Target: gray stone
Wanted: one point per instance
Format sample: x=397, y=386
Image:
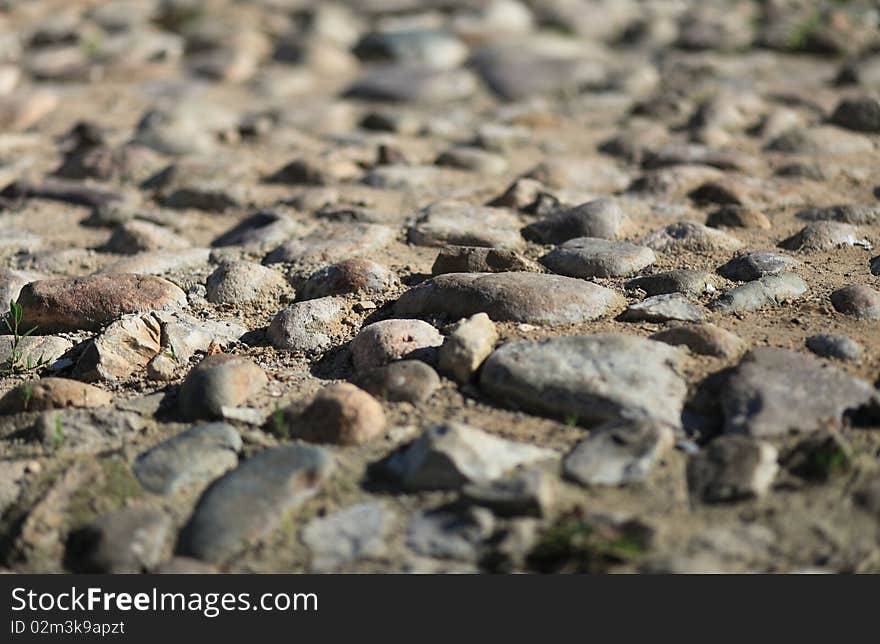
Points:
x=449, y=535
x=766, y=291
x=473, y=259
x=123, y=348
x=136, y=236
x=857, y=300
x=468, y=344
x=516, y=73
x=262, y=228
x=734, y=216
x=693, y=283
x=821, y=141
x=516, y=297
x=332, y=244
x=703, y=339
x=11, y=283
x=382, y=342
x=249, y=502
x=307, y=326
x=774, y=392
x=756, y=264
x=430, y=47
x=86, y=431
x=219, y=381
x=129, y=540
x=618, y=454
x=663, y=308
x=588, y=257
x=600, y=218
x=457, y=223
x=243, y=282
x=357, y=532
x=409, y=381
x=824, y=235
x=183, y=335
x=690, y=236
x=449, y=456
x=590, y=378
x=732, y=468
x=348, y=276
x=473, y=159
x=529, y=492
x=401, y=83
x=840, y=347
x=34, y=348
x=856, y=214
x=196, y=456
x=861, y=114
x=160, y=262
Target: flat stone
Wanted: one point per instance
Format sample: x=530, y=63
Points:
x=382, y=342
x=590, y=378
x=160, y=262
x=840, y=347
x=127, y=541
x=85, y=431
x=431, y=47
x=469, y=343
x=262, y=228
x=618, y=454
x=517, y=297
x=11, y=283
x=123, y=348
x=249, y=502
x=473, y=259
x=690, y=282
x=528, y=492
x=774, y=392
x=821, y=141
x=193, y=457
x=332, y=244
x=348, y=276
x=516, y=74
x=307, y=326
x=52, y=393
x=340, y=414
x=856, y=214
x=663, y=308
x=703, y=339
x=451, y=455
x=410, y=381
x=588, y=257
x=756, y=264
x=460, y=224
x=861, y=114
x=601, y=218
x=243, y=282
x=183, y=335
x=691, y=236
x=732, y=468
x=769, y=290
x=407, y=83
x=136, y=236
x=473, y=159
x=88, y=303
x=734, y=216
x=447, y=534
x=824, y=235
x=349, y=535
x=857, y=300
x=315, y=172
x=35, y=348
x=219, y=381
x=584, y=174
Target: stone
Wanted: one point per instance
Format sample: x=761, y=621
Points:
x=756, y=264
x=382, y=342
x=861, y=114
x=589, y=378
x=769, y=290
x=662, y=308
x=857, y=300
x=839, y=347
x=331, y=244
x=820, y=141
x=315, y=172
x=218, y=381
x=472, y=159
x=600, y=218
x=193, y=457
x=734, y=216
x=856, y=214
x=126, y=541
x=340, y=414
x=586, y=175
x=160, y=262
x=449, y=456
x=732, y=468
x=52, y=393
x=690, y=282
x=136, y=236
x=349, y=535
x=469, y=343
x=447, y=534
x=23, y=109
x=460, y=224
x=408, y=83
x=516, y=297
x=11, y=283
x=691, y=236
x=618, y=453
x=123, y=348
x=348, y=276
x=243, y=282
x=516, y=73
x=307, y=326
x=824, y=235
x=588, y=257
x=775, y=392
x=250, y=501
x=260, y=229
x=410, y=381
x=703, y=339
x=88, y=303
x=474, y=259
x=528, y=492
x=33, y=350
x=85, y=431
x=430, y=47
x=183, y=335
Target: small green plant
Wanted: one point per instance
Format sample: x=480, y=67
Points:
x=576, y=545
x=279, y=426
x=571, y=420
x=59, y=432
x=17, y=362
